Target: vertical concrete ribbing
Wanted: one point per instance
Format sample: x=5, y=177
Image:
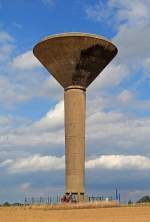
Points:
x=74, y=100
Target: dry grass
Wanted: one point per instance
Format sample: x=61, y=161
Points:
x=82, y=205
x=44, y=214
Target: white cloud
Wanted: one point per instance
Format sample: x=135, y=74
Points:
x=53, y=119
x=6, y=163
x=132, y=20
x=24, y=87
x=26, y=138
x=50, y=163
x=25, y=61
x=134, y=12
x=110, y=77
x=17, y=86
x=127, y=100
x=37, y=163
x=118, y=132
x=120, y=162
x=48, y=131
x=11, y=92
x=133, y=44
x=126, y=97
x=112, y=131
x=18, y=82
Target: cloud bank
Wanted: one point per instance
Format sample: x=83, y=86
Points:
x=39, y=163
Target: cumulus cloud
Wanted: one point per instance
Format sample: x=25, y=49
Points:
x=23, y=88
x=132, y=25
x=6, y=162
x=126, y=96
x=127, y=101
x=48, y=131
x=16, y=85
x=132, y=49
x=25, y=61
x=132, y=19
x=53, y=119
x=123, y=11
x=106, y=132
x=120, y=162
x=9, y=91
x=127, y=12
x=26, y=139
x=118, y=132
x=131, y=65
x=110, y=77
x=20, y=78
x=37, y=163
x=52, y=163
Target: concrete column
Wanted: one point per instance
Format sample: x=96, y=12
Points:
x=74, y=100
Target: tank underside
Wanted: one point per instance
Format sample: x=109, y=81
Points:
x=75, y=58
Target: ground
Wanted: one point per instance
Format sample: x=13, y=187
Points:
x=116, y=214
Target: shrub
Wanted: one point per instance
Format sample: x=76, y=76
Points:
x=144, y=199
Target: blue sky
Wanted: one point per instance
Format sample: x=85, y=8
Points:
x=31, y=101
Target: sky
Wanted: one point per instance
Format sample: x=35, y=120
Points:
x=31, y=101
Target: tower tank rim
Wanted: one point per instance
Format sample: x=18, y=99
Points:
x=75, y=34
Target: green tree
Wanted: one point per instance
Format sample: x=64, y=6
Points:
x=6, y=204
x=144, y=199
x=130, y=202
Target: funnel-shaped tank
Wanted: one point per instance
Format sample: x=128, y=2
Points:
x=75, y=58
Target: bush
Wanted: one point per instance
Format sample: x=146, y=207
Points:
x=144, y=199
x=130, y=202
x=6, y=204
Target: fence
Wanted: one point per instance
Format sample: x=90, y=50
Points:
x=57, y=199
x=42, y=200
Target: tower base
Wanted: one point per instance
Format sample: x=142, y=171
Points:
x=70, y=197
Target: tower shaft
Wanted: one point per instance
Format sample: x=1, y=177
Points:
x=74, y=100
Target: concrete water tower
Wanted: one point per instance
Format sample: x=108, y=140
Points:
x=75, y=60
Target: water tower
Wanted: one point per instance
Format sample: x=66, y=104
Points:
x=75, y=60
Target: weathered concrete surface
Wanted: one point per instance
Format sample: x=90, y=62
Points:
x=75, y=60
x=74, y=99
